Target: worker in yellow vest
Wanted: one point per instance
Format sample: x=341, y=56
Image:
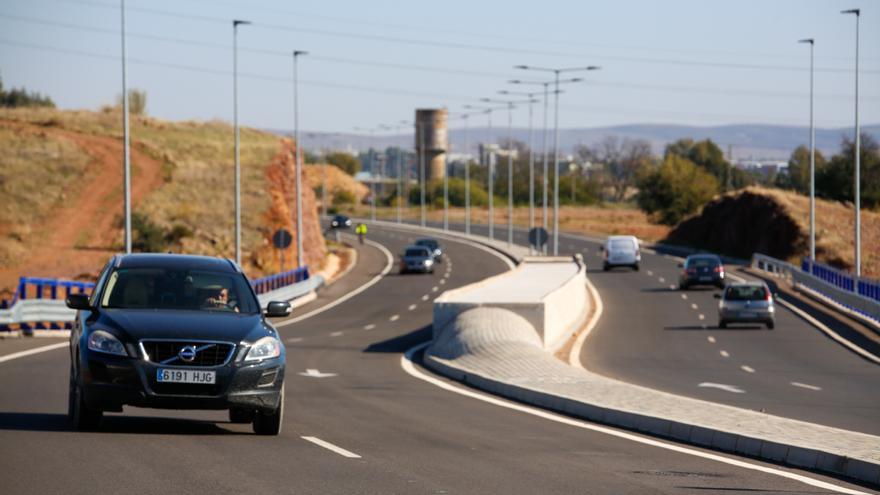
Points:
x=361, y=231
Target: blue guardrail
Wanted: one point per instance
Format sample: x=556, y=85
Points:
x=279, y=280
x=846, y=281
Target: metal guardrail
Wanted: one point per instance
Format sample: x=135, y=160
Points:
x=865, y=307
x=279, y=280
x=846, y=281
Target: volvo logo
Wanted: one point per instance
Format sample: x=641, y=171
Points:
x=187, y=353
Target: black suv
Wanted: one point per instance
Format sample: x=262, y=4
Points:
x=175, y=332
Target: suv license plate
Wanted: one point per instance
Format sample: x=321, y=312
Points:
x=185, y=376
x=748, y=314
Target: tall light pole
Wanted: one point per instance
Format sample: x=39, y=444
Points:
x=401, y=176
x=510, y=106
x=812, y=43
x=372, y=171
x=126, y=155
x=856, y=180
x=489, y=166
x=556, y=73
x=235, y=25
x=300, y=256
x=532, y=100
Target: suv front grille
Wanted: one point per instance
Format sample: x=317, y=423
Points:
x=168, y=352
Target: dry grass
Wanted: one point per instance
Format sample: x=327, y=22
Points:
x=337, y=180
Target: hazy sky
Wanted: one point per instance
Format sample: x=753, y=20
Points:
x=372, y=62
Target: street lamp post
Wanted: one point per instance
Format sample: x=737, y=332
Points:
x=812, y=163
x=235, y=25
x=532, y=100
x=400, y=176
x=126, y=156
x=489, y=166
x=556, y=82
x=857, y=179
x=300, y=256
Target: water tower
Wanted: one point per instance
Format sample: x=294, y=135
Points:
x=431, y=135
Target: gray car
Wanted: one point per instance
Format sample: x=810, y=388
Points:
x=417, y=259
x=749, y=302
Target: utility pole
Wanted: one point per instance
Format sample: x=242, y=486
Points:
x=126, y=170
x=858, y=153
x=812, y=163
x=235, y=25
x=300, y=256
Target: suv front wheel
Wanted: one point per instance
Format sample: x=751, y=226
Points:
x=79, y=413
x=270, y=423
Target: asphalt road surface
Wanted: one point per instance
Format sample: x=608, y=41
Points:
x=355, y=421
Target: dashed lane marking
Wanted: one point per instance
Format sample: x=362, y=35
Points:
x=442, y=281
x=684, y=296
x=724, y=353
x=649, y=273
x=336, y=334
x=747, y=369
x=425, y=297
x=711, y=339
x=693, y=305
x=435, y=289
x=806, y=386
x=369, y=327
x=702, y=317
x=294, y=340
x=333, y=448
x=411, y=307
x=662, y=280
x=394, y=318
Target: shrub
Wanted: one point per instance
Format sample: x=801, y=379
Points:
x=343, y=197
x=675, y=189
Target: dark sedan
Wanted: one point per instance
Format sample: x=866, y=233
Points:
x=176, y=332
x=340, y=222
x=434, y=246
x=701, y=269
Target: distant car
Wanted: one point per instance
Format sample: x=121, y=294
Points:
x=621, y=250
x=434, y=246
x=701, y=269
x=340, y=222
x=417, y=259
x=175, y=332
x=749, y=302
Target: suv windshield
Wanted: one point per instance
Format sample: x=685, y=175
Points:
x=429, y=243
x=164, y=288
x=746, y=293
x=416, y=253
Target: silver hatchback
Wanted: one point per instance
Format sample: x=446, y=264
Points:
x=748, y=302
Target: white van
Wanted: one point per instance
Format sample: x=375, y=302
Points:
x=621, y=250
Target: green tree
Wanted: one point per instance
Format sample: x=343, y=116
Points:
x=19, y=97
x=675, y=189
x=137, y=101
x=835, y=180
x=799, y=168
x=621, y=159
x=347, y=163
x=707, y=155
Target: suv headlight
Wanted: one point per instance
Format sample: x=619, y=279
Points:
x=101, y=341
x=429, y=262
x=265, y=348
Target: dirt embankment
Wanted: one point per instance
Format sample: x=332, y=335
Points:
x=776, y=223
x=337, y=181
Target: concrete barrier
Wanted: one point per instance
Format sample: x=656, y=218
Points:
x=548, y=293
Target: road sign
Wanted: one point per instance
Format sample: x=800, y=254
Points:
x=282, y=239
x=538, y=237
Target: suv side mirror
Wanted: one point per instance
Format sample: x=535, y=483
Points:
x=78, y=301
x=601, y=248
x=278, y=309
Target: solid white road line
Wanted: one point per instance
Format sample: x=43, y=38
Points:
x=30, y=352
x=333, y=448
x=369, y=327
x=711, y=339
x=388, y=256
x=806, y=386
x=408, y=366
x=411, y=307
x=747, y=369
x=394, y=318
x=574, y=357
x=724, y=353
x=722, y=386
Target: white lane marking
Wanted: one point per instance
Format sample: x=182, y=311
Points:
x=574, y=357
x=829, y=332
x=806, y=386
x=388, y=256
x=724, y=353
x=446, y=275
x=442, y=281
x=29, y=352
x=711, y=339
x=747, y=369
x=369, y=327
x=294, y=340
x=723, y=386
x=693, y=305
x=672, y=287
x=394, y=318
x=313, y=373
x=702, y=317
x=408, y=366
x=649, y=273
x=684, y=296
x=435, y=289
x=333, y=448
x=411, y=307
x=662, y=280
x=336, y=334
x=425, y=297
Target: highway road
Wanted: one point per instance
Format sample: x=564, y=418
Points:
x=655, y=335
x=356, y=421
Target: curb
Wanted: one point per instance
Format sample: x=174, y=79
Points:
x=788, y=454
